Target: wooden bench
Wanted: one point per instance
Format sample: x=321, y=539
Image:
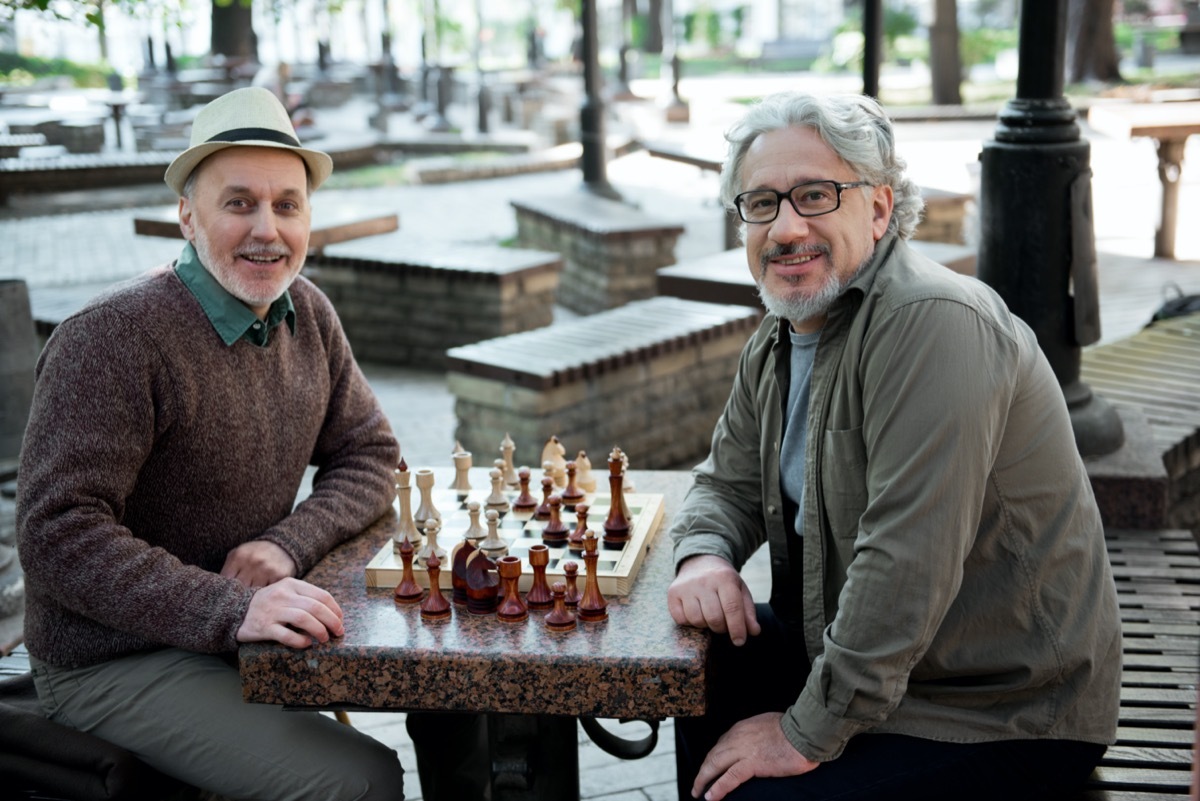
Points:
x=405, y=300
x=650, y=377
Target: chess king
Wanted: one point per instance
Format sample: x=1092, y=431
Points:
x=172, y=422
x=943, y=621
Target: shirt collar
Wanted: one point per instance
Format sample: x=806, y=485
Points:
x=231, y=318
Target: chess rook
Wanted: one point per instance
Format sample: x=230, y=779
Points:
x=539, y=596
x=512, y=609
x=426, y=511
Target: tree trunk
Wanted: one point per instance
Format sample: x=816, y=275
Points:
x=232, y=33
x=654, y=27
x=944, y=61
x=1091, y=45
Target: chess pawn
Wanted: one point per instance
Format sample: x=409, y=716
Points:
x=575, y=538
x=584, y=477
x=538, y=596
x=407, y=528
x=435, y=606
x=407, y=591
x=431, y=547
x=507, y=447
x=512, y=609
x=560, y=618
x=493, y=545
x=592, y=606
x=474, y=531
x=425, y=509
x=483, y=584
x=571, y=572
x=572, y=494
x=555, y=532
x=543, y=510
x=616, y=527
x=497, y=499
x=462, y=470
x=524, y=501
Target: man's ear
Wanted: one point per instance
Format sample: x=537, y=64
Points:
x=881, y=210
x=185, y=218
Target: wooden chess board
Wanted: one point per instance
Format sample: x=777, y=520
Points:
x=616, y=569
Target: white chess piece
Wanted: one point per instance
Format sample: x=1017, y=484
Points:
x=507, y=447
x=432, y=526
x=407, y=528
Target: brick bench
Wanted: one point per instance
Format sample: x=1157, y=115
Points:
x=11, y=143
x=651, y=377
x=405, y=301
x=611, y=251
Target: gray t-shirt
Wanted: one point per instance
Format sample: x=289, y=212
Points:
x=795, y=424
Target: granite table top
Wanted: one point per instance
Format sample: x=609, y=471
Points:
x=637, y=664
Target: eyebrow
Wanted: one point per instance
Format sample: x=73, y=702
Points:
x=286, y=194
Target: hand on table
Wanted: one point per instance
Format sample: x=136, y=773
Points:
x=291, y=612
x=753, y=747
x=258, y=563
x=709, y=594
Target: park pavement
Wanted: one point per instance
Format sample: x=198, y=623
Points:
x=69, y=245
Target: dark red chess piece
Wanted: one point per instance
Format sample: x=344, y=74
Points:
x=435, y=606
x=616, y=527
x=575, y=538
x=512, y=609
x=572, y=494
x=458, y=571
x=543, y=510
x=538, y=596
x=570, y=569
x=560, y=618
x=592, y=606
x=555, y=532
x=524, y=500
x=408, y=591
x=483, y=584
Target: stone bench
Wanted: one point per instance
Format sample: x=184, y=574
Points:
x=11, y=143
x=610, y=250
x=404, y=300
x=650, y=377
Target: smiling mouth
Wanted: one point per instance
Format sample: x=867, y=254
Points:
x=264, y=259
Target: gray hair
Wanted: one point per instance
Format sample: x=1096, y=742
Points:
x=853, y=125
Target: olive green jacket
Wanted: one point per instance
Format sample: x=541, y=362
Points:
x=955, y=580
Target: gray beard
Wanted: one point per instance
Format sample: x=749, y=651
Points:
x=799, y=308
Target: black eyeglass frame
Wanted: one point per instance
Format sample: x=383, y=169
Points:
x=779, y=198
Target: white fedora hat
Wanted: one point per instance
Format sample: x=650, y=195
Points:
x=251, y=117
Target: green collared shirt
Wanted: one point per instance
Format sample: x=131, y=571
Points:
x=231, y=318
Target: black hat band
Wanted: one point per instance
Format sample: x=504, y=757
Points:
x=262, y=134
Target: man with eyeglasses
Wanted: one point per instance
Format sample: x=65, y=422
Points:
x=943, y=622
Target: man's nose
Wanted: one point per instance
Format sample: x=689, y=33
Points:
x=265, y=226
x=788, y=224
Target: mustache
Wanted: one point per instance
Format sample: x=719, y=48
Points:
x=794, y=249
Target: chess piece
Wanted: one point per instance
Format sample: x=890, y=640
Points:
x=584, y=478
x=435, y=606
x=493, y=545
x=571, y=571
x=575, y=538
x=425, y=509
x=572, y=494
x=616, y=527
x=497, y=499
x=543, y=510
x=560, y=618
x=554, y=454
x=483, y=584
x=474, y=531
x=462, y=469
x=458, y=566
x=555, y=531
x=524, y=502
x=538, y=596
x=592, y=606
x=407, y=591
x=507, y=447
x=431, y=547
x=512, y=609
x=407, y=528
x=626, y=481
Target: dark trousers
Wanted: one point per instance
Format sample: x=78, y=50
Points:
x=768, y=672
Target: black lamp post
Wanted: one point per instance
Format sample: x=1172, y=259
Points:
x=1038, y=245
x=591, y=113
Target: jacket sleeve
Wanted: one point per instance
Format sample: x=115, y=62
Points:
x=937, y=380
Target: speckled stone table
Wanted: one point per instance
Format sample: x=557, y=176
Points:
x=638, y=664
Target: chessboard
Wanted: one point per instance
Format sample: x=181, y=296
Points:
x=616, y=569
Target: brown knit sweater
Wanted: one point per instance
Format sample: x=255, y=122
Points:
x=153, y=450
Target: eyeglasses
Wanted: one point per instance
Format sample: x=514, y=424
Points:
x=809, y=200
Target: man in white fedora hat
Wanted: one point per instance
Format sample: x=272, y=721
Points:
x=173, y=421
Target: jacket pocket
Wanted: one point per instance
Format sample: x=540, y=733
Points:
x=844, y=480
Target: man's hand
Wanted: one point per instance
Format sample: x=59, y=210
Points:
x=753, y=747
x=709, y=594
x=291, y=612
x=258, y=563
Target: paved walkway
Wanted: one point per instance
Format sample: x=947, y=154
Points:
x=66, y=257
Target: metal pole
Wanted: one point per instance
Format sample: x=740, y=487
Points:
x=872, y=45
x=1037, y=246
x=591, y=113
